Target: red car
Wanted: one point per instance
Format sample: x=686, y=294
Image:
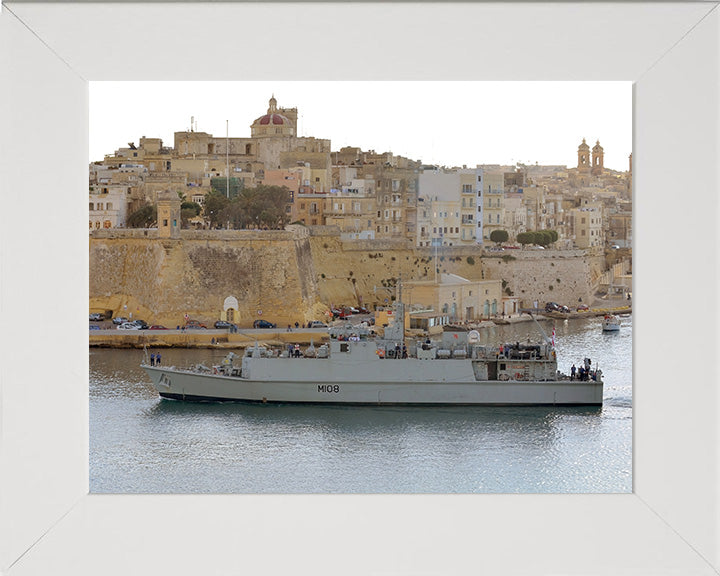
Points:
x=157, y=327
x=194, y=325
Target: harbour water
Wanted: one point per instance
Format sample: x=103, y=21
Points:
x=142, y=444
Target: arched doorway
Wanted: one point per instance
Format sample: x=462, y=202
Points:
x=230, y=309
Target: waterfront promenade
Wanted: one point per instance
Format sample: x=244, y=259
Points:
x=114, y=338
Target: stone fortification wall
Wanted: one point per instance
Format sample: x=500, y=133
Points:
x=269, y=273
x=295, y=275
x=563, y=276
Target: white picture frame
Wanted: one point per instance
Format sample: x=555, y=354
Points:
x=48, y=521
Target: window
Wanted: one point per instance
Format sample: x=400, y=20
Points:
x=108, y=206
x=92, y=206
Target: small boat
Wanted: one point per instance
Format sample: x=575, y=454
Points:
x=611, y=323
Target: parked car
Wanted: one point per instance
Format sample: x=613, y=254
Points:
x=353, y=310
x=363, y=310
x=582, y=308
x=317, y=324
x=564, y=309
x=94, y=327
x=223, y=324
x=157, y=327
x=552, y=307
x=128, y=326
x=96, y=317
x=194, y=325
x=263, y=324
x=119, y=320
x=141, y=323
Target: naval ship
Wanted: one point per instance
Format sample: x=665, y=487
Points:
x=359, y=367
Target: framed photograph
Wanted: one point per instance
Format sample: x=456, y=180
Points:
x=48, y=521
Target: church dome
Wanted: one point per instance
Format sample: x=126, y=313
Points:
x=277, y=119
x=274, y=124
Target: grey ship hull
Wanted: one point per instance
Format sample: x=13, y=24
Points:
x=447, y=382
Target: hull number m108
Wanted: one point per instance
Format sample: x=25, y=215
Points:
x=329, y=388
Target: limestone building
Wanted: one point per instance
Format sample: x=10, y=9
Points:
x=351, y=204
x=450, y=207
x=494, y=199
x=587, y=225
x=460, y=299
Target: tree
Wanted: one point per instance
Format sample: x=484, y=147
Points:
x=188, y=211
x=525, y=238
x=499, y=236
x=215, y=204
x=143, y=217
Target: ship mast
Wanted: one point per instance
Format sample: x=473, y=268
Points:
x=401, y=310
x=545, y=336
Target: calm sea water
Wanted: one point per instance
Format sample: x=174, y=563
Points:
x=142, y=444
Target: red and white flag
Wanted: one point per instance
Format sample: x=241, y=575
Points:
x=553, y=335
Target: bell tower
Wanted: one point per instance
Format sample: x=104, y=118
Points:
x=583, y=158
x=597, y=159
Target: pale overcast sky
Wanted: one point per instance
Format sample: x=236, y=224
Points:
x=447, y=123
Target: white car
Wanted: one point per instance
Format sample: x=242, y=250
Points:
x=128, y=326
